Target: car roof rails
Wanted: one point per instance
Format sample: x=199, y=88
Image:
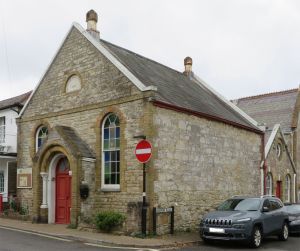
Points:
x=239, y=196
x=266, y=196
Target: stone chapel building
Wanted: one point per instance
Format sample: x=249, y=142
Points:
x=279, y=112
x=79, y=126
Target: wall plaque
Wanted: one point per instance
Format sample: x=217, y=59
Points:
x=24, y=178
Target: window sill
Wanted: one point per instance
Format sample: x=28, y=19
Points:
x=109, y=189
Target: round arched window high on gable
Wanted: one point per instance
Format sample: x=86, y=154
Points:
x=279, y=150
x=41, y=136
x=73, y=83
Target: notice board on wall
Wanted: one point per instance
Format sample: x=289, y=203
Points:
x=24, y=178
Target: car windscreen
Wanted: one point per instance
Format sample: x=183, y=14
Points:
x=249, y=204
x=293, y=209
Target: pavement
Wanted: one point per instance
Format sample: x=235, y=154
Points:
x=180, y=239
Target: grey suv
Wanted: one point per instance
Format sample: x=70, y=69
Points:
x=246, y=219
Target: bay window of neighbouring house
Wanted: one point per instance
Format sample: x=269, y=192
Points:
x=269, y=184
x=287, y=189
x=111, y=152
x=2, y=129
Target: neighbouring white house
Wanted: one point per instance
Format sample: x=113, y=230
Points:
x=9, y=111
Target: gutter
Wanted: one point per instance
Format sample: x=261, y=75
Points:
x=204, y=115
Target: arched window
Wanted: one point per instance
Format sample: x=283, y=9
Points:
x=269, y=184
x=111, y=152
x=41, y=136
x=73, y=84
x=279, y=150
x=287, y=188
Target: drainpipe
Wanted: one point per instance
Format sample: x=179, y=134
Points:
x=262, y=178
x=295, y=187
x=263, y=166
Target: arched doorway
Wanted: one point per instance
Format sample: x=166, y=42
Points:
x=62, y=191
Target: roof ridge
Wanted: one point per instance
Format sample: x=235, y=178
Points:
x=141, y=56
x=268, y=94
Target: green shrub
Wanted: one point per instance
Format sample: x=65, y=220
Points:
x=106, y=221
x=23, y=210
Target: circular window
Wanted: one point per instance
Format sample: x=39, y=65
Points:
x=73, y=84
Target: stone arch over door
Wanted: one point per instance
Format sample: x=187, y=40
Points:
x=44, y=182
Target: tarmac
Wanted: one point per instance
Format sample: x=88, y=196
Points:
x=176, y=240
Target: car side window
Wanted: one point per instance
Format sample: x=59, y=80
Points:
x=267, y=204
x=275, y=205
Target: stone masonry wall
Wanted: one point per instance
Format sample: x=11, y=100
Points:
x=279, y=167
x=97, y=74
x=200, y=163
x=297, y=156
x=104, y=90
x=131, y=173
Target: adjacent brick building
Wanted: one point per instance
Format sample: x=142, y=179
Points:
x=78, y=130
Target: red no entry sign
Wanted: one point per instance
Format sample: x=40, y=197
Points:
x=143, y=151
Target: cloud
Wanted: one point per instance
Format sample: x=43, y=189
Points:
x=241, y=48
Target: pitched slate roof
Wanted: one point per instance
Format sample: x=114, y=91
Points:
x=171, y=87
x=272, y=108
x=76, y=144
x=175, y=88
x=18, y=101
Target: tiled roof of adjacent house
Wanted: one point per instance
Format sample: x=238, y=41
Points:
x=17, y=101
x=271, y=108
x=175, y=88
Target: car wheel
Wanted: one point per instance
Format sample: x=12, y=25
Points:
x=284, y=235
x=256, y=237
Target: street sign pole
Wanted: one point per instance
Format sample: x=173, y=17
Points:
x=143, y=154
x=144, y=206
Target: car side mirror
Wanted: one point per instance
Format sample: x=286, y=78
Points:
x=265, y=209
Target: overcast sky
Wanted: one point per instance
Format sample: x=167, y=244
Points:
x=239, y=47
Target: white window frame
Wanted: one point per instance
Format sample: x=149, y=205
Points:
x=108, y=187
x=37, y=137
x=269, y=184
x=2, y=127
x=287, y=188
x=2, y=181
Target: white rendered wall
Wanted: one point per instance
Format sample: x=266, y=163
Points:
x=10, y=129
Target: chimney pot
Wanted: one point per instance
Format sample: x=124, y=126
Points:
x=92, y=19
x=188, y=63
x=92, y=15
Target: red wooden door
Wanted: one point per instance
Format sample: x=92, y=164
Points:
x=278, y=189
x=63, y=192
